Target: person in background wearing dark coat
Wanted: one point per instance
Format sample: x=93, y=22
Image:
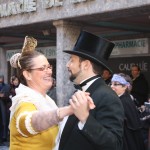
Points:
x=1, y=126
x=145, y=118
x=133, y=139
x=102, y=127
x=107, y=75
x=140, y=86
x=14, y=83
x=4, y=99
x=52, y=91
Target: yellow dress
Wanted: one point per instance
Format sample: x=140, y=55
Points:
x=21, y=139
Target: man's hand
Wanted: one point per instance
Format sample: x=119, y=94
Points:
x=81, y=103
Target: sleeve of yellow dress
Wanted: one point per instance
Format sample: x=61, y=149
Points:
x=23, y=119
x=29, y=121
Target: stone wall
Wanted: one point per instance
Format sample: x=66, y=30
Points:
x=22, y=12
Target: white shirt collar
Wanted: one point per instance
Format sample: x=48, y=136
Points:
x=84, y=88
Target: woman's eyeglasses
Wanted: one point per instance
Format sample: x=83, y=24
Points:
x=43, y=68
x=115, y=84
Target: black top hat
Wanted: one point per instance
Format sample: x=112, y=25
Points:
x=94, y=48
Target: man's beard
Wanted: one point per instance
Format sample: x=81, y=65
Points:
x=74, y=76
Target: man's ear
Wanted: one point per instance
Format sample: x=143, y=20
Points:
x=27, y=75
x=87, y=64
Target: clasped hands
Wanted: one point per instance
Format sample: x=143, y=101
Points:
x=81, y=103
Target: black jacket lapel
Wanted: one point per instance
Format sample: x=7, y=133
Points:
x=95, y=84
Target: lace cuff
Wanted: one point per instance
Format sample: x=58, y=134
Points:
x=43, y=120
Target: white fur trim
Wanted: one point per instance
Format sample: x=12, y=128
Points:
x=26, y=94
x=28, y=124
x=17, y=123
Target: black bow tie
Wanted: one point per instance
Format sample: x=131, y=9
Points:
x=79, y=86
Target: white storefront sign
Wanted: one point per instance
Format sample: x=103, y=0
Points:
x=129, y=47
x=49, y=52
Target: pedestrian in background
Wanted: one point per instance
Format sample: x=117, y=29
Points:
x=107, y=75
x=140, y=87
x=4, y=100
x=52, y=91
x=133, y=138
x=14, y=83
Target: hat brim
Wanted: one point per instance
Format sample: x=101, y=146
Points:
x=90, y=57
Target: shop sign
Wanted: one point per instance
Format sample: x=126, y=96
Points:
x=10, y=53
x=128, y=47
x=25, y=6
x=20, y=6
x=49, y=52
x=78, y=1
x=51, y=3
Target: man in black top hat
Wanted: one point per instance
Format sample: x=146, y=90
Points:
x=102, y=127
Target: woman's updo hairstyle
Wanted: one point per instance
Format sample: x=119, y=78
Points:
x=24, y=60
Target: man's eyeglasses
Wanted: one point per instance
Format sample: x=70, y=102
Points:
x=115, y=84
x=43, y=68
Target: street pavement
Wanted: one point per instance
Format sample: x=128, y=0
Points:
x=5, y=147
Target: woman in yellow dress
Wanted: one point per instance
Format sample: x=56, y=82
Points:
x=34, y=115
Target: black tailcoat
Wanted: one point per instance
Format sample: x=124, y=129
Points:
x=103, y=129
